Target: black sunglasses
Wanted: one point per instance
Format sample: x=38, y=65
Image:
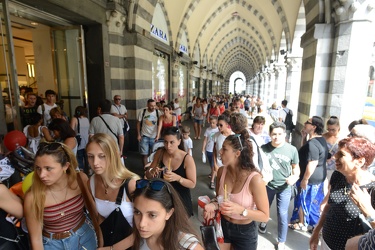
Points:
x=118, y=99
x=155, y=185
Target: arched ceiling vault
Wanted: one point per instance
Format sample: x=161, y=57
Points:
x=252, y=30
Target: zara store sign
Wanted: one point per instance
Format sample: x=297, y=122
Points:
x=159, y=33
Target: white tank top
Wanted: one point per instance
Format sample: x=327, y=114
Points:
x=105, y=208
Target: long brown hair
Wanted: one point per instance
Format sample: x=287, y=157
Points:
x=176, y=224
x=63, y=155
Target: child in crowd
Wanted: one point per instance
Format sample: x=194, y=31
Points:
x=208, y=143
x=188, y=142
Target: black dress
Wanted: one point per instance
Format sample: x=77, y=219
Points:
x=184, y=192
x=341, y=220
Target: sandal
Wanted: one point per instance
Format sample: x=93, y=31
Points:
x=298, y=226
x=212, y=186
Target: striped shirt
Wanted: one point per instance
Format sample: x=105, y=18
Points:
x=63, y=216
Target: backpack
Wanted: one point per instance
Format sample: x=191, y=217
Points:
x=289, y=120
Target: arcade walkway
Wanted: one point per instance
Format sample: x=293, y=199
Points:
x=295, y=240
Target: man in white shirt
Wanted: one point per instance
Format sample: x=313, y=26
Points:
x=147, y=126
x=45, y=108
x=120, y=111
x=177, y=109
x=107, y=123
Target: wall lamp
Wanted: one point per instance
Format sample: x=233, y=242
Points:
x=340, y=53
x=180, y=54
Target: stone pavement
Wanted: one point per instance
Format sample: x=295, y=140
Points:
x=296, y=240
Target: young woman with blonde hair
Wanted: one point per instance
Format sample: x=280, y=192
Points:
x=110, y=175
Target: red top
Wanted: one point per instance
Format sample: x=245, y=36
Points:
x=64, y=216
x=214, y=111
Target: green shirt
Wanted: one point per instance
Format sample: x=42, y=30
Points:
x=286, y=155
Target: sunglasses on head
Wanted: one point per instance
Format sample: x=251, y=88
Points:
x=308, y=122
x=238, y=136
x=155, y=185
x=51, y=147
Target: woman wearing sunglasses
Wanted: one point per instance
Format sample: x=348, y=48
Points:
x=54, y=204
x=110, y=175
x=160, y=219
x=242, y=185
x=179, y=166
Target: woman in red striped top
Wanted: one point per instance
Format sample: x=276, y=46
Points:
x=54, y=204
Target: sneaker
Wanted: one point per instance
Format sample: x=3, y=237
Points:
x=262, y=228
x=281, y=246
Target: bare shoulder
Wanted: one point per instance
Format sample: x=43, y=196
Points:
x=256, y=179
x=131, y=185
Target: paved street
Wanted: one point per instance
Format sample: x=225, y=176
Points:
x=296, y=240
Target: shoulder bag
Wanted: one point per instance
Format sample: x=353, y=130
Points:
x=110, y=129
x=90, y=205
x=115, y=227
x=263, y=163
x=78, y=135
x=294, y=191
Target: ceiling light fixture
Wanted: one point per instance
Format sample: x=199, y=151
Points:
x=235, y=13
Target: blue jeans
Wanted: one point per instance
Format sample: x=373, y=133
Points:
x=82, y=160
x=83, y=238
x=241, y=237
x=145, y=145
x=309, y=200
x=210, y=157
x=282, y=205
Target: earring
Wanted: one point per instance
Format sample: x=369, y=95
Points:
x=64, y=171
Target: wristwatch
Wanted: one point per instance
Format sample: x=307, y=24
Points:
x=244, y=213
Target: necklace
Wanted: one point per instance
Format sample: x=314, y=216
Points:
x=62, y=213
x=106, y=186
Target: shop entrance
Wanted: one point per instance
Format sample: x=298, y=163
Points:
x=39, y=51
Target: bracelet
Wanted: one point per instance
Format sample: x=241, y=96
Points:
x=150, y=170
x=111, y=248
x=181, y=180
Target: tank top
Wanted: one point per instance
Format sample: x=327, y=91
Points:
x=198, y=113
x=105, y=208
x=63, y=216
x=33, y=142
x=167, y=124
x=243, y=198
x=184, y=192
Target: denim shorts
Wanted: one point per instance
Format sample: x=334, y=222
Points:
x=83, y=238
x=241, y=237
x=145, y=145
x=200, y=122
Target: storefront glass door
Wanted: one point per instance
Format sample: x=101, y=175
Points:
x=68, y=53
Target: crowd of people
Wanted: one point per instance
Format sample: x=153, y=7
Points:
x=82, y=195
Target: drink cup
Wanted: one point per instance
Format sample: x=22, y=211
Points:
x=165, y=170
x=220, y=199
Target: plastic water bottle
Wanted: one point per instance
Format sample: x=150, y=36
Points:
x=203, y=157
x=19, y=151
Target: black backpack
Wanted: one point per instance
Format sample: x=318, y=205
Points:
x=289, y=120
